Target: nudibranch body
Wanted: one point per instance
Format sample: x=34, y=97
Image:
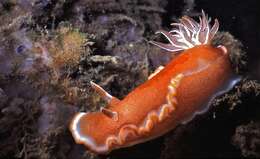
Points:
x=171, y=96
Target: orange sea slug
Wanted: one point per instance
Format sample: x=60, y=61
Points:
x=173, y=95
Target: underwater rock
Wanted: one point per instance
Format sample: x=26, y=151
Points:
x=53, y=114
x=247, y=139
x=17, y=127
x=3, y=98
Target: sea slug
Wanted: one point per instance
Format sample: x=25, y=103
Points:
x=172, y=95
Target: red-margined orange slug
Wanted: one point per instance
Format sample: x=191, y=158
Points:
x=173, y=95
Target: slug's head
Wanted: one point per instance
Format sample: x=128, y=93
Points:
x=189, y=33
